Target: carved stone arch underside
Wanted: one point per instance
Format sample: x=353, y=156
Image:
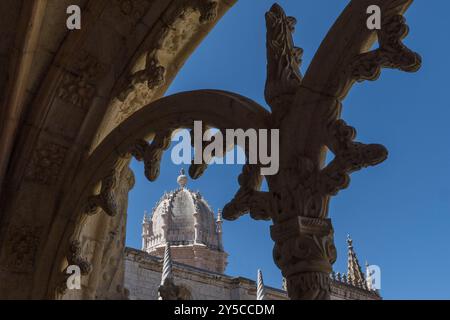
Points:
x=151, y=70
x=99, y=194
x=74, y=88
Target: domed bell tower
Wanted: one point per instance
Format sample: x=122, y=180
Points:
x=184, y=219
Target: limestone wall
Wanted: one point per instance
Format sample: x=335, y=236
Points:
x=143, y=276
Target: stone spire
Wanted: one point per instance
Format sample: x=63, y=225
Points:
x=260, y=291
x=182, y=179
x=167, y=265
x=354, y=273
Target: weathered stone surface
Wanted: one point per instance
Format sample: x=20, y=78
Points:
x=143, y=277
x=59, y=97
x=107, y=81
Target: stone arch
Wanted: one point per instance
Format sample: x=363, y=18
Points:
x=92, y=190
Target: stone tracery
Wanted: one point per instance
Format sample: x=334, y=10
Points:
x=298, y=198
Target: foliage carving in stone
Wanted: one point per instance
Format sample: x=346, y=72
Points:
x=46, y=163
x=75, y=258
x=392, y=53
x=298, y=196
x=78, y=85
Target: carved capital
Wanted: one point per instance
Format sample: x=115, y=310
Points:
x=304, y=251
x=46, y=163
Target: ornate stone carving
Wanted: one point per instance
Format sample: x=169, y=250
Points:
x=74, y=257
x=283, y=58
x=308, y=119
x=131, y=93
x=21, y=246
x=153, y=75
x=299, y=194
x=75, y=90
x=168, y=290
x=132, y=8
x=46, y=163
x=207, y=9
x=307, y=112
x=108, y=199
x=304, y=246
x=260, y=290
x=152, y=153
x=349, y=157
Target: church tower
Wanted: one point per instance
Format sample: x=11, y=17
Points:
x=184, y=219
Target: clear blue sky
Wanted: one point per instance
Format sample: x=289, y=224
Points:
x=397, y=212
